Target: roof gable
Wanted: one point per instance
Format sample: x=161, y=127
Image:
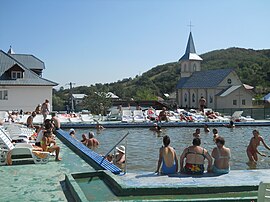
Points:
x=204, y=79
x=30, y=78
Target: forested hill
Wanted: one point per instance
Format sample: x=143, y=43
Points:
x=252, y=66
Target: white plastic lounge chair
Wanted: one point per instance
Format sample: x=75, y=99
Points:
x=264, y=192
x=173, y=117
x=87, y=118
x=64, y=118
x=236, y=115
x=114, y=115
x=75, y=119
x=138, y=116
x=21, y=150
x=126, y=116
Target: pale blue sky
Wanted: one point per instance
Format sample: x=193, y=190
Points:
x=103, y=41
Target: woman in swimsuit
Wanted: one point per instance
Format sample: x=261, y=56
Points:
x=252, y=149
x=167, y=157
x=222, y=156
x=194, y=157
x=49, y=145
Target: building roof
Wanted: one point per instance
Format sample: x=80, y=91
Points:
x=204, y=79
x=190, y=53
x=29, y=61
x=78, y=96
x=229, y=90
x=29, y=78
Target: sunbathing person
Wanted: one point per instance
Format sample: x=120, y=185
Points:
x=168, y=158
x=48, y=144
x=252, y=149
x=221, y=155
x=163, y=115
x=194, y=157
x=47, y=126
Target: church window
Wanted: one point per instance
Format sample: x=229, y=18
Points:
x=234, y=102
x=243, y=102
x=194, y=67
x=229, y=81
x=185, y=97
x=185, y=68
x=193, y=97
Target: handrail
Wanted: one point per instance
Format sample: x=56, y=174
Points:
x=114, y=147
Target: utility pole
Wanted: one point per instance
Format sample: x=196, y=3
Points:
x=72, y=101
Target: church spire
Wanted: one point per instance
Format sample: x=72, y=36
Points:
x=190, y=53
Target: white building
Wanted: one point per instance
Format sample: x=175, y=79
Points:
x=221, y=88
x=21, y=82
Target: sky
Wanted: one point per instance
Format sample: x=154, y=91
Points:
x=102, y=41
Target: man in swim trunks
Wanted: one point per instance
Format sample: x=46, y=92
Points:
x=221, y=155
x=194, y=157
x=167, y=157
x=252, y=149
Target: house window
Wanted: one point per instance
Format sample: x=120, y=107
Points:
x=229, y=81
x=193, y=97
x=3, y=95
x=210, y=99
x=185, y=97
x=243, y=102
x=234, y=102
x=16, y=74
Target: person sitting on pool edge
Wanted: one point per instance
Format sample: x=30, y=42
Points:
x=221, y=155
x=194, y=157
x=167, y=157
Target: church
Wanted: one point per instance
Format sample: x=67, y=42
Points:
x=221, y=88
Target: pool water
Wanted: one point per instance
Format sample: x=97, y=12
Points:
x=143, y=144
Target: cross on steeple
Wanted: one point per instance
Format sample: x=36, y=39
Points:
x=190, y=25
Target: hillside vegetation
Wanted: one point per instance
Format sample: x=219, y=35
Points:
x=252, y=66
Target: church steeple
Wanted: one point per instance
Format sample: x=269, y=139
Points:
x=190, y=61
x=190, y=53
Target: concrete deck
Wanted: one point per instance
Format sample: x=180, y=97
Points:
x=237, y=185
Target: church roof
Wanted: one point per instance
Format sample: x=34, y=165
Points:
x=190, y=53
x=204, y=79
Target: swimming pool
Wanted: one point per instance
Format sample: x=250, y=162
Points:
x=143, y=145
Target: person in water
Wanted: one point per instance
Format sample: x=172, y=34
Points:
x=167, y=157
x=194, y=157
x=221, y=155
x=252, y=149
